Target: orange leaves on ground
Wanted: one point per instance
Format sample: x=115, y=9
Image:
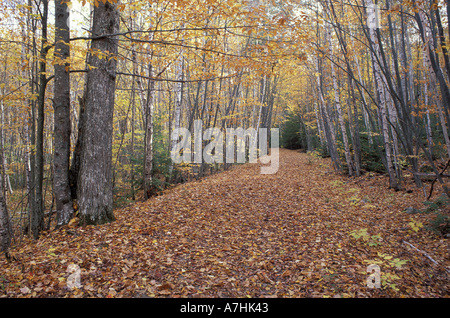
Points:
x=303, y=232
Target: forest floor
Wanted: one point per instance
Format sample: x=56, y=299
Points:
x=302, y=232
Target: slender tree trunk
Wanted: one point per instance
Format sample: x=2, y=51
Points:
x=148, y=156
x=37, y=219
x=3, y=162
x=5, y=226
x=32, y=103
x=319, y=123
x=337, y=103
x=133, y=118
x=2, y=145
x=435, y=72
x=402, y=111
x=27, y=121
x=363, y=97
x=429, y=45
x=261, y=101
x=309, y=144
x=95, y=191
x=429, y=133
x=445, y=130
x=383, y=109
x=5, y=229
x=62, y=125
x=178, y=102
x=354, y=167
x=354, y=128
x=329, y=131
x=441, y=38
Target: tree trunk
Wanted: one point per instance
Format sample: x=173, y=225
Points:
x=26, y=134
x=354, y=127
x=428, y=129
x=178, y=103
x=133, y=116
x=442, y=39
x=5, y=226
x=380, y=86
x=95, y=191
x=2, y=145
x=329, y=132
x=3, y=163
x=37, y=218
x=429, y=46
x=337, y=103
x=74, y=172
x=62, y=127
x=319, y=123
x=31, y=27
x=148, y=122
x=383, y=108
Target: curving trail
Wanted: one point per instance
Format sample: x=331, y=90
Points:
x=243, y=234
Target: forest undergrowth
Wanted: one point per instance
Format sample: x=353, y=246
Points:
x=302, y=232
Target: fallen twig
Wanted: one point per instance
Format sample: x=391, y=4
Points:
x=425, y=254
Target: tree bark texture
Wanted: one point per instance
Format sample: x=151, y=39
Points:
x=95, y=190
x=61, y=104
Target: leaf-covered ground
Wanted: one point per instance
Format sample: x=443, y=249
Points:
x=302, y=232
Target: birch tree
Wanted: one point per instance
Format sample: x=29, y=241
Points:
x=337, y=104
x=380, y=84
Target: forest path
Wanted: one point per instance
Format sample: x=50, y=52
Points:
x=243, y=234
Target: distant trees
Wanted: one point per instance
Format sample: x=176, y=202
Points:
x=88, y=111
x=390, y=71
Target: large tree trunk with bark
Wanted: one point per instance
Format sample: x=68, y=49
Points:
x=61, y=104
x=95, y=190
